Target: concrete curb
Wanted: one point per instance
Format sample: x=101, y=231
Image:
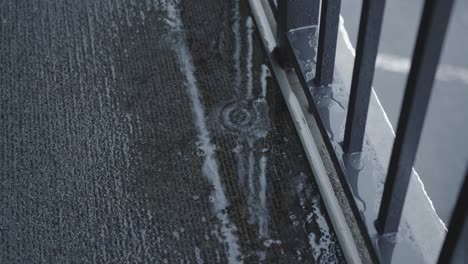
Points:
x=315, y=160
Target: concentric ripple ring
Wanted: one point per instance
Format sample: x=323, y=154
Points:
x=239, y=116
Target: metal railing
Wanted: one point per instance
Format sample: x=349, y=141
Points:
x=427, y=51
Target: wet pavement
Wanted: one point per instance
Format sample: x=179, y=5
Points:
x=148, y=132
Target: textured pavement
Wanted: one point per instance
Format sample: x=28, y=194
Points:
x=145, y=132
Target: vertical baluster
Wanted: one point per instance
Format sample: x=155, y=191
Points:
x=363, y=73
x=328, y=34
x=426, y=56
x=456, y=241
x=282, y=27
x=293, y=15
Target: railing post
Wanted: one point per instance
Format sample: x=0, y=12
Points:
x=426, y=56
x=328, y=34
x=282, y=27
x=456, y=241
x=363, y=74
x=292, y=15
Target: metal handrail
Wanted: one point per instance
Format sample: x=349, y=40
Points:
x=427, y=51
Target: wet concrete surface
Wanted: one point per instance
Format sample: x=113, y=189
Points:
x=146, y=132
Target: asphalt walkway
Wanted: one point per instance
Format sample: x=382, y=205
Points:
x=146, y=132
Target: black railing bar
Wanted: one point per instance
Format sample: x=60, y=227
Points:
x=328, y=34
x=292, y=16
x=363, y=74
x=282, y=27
x=297, y=68
x=432, y=29
x=457, y=229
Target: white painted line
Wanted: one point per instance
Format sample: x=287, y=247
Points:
x=301, y=28
x=399, y=64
